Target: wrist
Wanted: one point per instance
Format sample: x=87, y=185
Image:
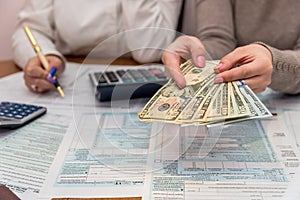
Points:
x=267, y=48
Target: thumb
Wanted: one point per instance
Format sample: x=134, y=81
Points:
x=197, y=51
x=55, y=61
x=172, y=63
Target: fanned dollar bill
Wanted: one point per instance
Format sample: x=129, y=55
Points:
x=202, y=101
x=170, y=101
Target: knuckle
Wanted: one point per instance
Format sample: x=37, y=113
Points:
x=225, y=60
x=240, y=49
x=245, y=72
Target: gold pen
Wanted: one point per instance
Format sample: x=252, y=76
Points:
x=36, y=47
x=41, y=56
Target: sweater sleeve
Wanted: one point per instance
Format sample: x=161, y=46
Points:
x=286, y=69
x=38, y=16
x=215, y=27
x=150, y=27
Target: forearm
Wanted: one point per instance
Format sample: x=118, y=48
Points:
x=215, y=27
x=286, y=70
x=216, y=48
x=38, y=16
x=23, y=51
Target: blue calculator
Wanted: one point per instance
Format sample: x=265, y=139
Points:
x=135, y=82
x=14, y=115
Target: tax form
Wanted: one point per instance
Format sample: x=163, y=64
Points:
x=243, y=164
x=105, y=155
x=249, y=160
x=27, y=154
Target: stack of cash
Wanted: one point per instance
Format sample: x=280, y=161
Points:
x=202, y=101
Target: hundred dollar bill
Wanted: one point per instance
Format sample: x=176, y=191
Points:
x=238, y=103
x=202, y=110
x=219, y=108
x=257, y=108
x=238, y=107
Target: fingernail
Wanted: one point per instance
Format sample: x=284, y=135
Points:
x=201, y=61
x=218, y=80
x=218, y=67
x=181, y=84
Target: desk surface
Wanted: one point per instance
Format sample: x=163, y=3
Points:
x=9, y=67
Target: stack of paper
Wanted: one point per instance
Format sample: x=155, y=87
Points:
x=202, y=101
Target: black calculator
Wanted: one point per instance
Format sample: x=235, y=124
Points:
x=129, y=83
x=14, y=115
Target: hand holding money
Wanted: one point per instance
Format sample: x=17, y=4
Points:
x=183, y=47
x=202, y=101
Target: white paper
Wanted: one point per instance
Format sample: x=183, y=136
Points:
x=105, y=155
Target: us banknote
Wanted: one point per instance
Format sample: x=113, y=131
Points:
x=202, y=101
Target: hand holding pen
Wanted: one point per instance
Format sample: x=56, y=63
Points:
x=38, y=69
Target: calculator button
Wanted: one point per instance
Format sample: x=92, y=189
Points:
x=161, y=76
x=111, y=77
x=33, y=108
x=28, y=111
x=148, y=75
x=121, y=72
x=18, y=117
x=145, y=73
x=24, y=114
x=9, y=115
x=155, y=71
x=124, y=76
x=100, y=78
x=137, y=76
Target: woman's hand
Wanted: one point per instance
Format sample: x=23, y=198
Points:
x=252, y=63
x=183, y=47
x=35, y=75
